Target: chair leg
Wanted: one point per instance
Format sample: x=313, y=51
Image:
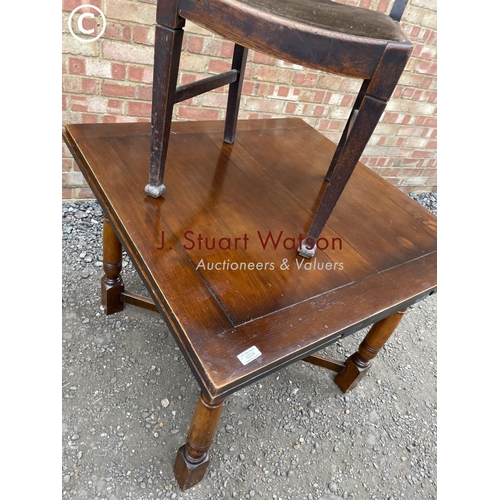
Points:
x=348, y=127
x=357, y=365
x=372, y=100
x=111, y=283
x=168, y=44
x=233, y=100
x=368, y=116
x=193, y=458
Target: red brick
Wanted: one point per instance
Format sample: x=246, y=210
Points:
x=186, y=113
x=317, y=111
x=90, y=118
x=214, y=100
x=407, y=93
x=79, y=103
x=118, y=51
x=427, y=121
x=262, y=89
x=71, y=5
x=316, y=96
x=305, y=79
x=139, y=108
x=283, y=91
x=76, y=66
x=83, y=193
x=116, y=106
x=426, y=67
x=350, y=85
x=119, y=119
x=90, y=86
x=410, y=161
x=263, y=105
x=411, y=172
x=212, y=47
x=219, y=66
x=383, y=5
x=140, y=74
x=186, y=78
x=118, y=90
x=117, y=31
x=77, y=85
x=248, y=88
x=389, y=117
x=274, y=75
x=67, y=164
x=410, y=131
x=248, y=116
x=432, y=97
x=195, y=44
x=422, y=154
x=145, y=92
x=432, y=38
x=330, y=125
x=144, y=35
x=227, y=49
x=347, y=100
x=259, y=58
x=125, y=10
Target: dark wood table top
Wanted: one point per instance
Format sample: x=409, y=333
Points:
x=218, y=254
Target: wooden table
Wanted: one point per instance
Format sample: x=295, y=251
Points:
x=218, y=253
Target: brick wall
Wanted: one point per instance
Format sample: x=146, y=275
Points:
x=109, y=80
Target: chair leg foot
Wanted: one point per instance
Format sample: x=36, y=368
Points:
x=155, y=191
x=305, y=250
x=193, y=458
x=358, y=365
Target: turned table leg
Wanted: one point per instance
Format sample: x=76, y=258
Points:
x=193, y=458
x=111, y=282
x=357, y=365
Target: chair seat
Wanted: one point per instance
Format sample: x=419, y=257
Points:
x=318, y=34
x=333, y=16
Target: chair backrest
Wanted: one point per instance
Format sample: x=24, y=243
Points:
x=397, y=9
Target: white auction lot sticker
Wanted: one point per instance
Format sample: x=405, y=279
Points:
x=249, y=355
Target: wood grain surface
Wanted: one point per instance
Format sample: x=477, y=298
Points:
x=242, y=284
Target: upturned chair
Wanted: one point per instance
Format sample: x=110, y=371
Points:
x=319, y=34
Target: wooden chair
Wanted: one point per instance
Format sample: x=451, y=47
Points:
x=318, y=34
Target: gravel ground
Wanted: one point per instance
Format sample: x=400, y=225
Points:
x=128, y=396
